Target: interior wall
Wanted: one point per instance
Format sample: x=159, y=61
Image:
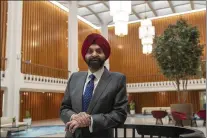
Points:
x=162, y=99
x=41, y=105
x=44, y=43
x=45, y=39
x=126, y=54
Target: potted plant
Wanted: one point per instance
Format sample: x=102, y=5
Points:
x=178, y=54
x=132, y=107
x=13, y=121
x=28, y=118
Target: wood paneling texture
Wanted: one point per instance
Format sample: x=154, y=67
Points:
x=40, y=105
x=83, y=31
x=44, y=39
x=1, y=101
x=162, y=99
x=3, y=29
x=127, y=57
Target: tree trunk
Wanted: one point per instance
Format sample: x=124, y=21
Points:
x=178, y=88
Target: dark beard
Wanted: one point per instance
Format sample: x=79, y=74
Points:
x=95, y=64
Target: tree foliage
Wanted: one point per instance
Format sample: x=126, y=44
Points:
x=178, y=53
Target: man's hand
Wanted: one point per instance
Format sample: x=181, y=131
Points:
x=78, y=120
x=71, y=126
x=83, y=119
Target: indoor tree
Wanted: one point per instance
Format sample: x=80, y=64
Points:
x=178, y=54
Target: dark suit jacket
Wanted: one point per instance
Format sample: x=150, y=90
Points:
x=108, y=105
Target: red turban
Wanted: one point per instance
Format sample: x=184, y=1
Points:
x=96, y=39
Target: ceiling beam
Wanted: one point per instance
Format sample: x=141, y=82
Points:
x=171, y=6
x=96, y=12
x=109, y=11
x=192, y=4
x=169, y=1
x=132, y=12
x=99, y=19
x=133, y=5
x=104, y=2
x=80, y=6
x=199, y=3
x=150, y=6
x=105, y=5
x=137, y=15
x=109, y=22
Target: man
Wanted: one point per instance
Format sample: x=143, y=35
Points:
x=94, y=101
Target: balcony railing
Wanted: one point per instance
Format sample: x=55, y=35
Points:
x=151, y=78
x=42, y=70
x=160, y=131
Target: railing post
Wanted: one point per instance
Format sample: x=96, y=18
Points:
x=125, y=132
x=116, y=135
x=133, y=133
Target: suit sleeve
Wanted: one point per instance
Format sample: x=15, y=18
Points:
x=66, y=108
x=119, y=113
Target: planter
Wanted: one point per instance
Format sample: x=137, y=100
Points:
x=28, y=120
x=132, y=112
x=186, y=108
x=13, y=124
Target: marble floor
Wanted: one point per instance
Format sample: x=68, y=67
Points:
x=130, y=120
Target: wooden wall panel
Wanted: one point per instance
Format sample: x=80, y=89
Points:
x=162, y=99
x=41, y=105
x=127, y=56
x=3, y=29
x=44, y=39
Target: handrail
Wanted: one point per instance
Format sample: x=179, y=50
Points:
x=44, y=66
x=151, y=78
x=160, y=131
x=146, y=78
x=145, y=75
x=154, y=75
x=44, y=70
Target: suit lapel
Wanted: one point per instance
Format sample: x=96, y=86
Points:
x=103, y=82
x=79, y=91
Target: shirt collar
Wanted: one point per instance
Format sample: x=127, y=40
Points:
x=97, y=74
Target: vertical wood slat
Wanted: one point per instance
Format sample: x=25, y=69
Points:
x=143, y=68
x=163, y=99
x=51, y=44
x=45, y=39
x=3, y=29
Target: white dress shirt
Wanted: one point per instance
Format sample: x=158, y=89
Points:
x=97, y=75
